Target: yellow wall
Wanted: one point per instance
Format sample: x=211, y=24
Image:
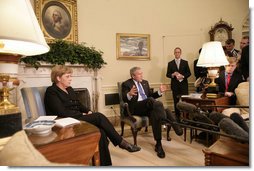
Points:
x=170, y=23
x=184, y=23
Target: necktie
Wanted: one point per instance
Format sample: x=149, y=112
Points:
x=141, y=92
x=177, y=63
x=228, y=80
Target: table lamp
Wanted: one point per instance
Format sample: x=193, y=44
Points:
x=212, y=56
x=20, y=36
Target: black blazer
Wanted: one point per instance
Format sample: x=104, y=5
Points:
x=244, y=62
x=126, y=87
x=57, y=102
x=236, y=79
x=199, y=71
x=183, y=69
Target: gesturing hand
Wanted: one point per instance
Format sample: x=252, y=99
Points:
x=133, y=91
x=163, y=88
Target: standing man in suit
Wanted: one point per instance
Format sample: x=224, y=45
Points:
x=179, y=71
x=141, y=99
x=199, y=72
x=230, y=48
x=244, y=62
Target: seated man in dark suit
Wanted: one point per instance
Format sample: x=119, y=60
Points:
x=137, y=93
x=229, y=79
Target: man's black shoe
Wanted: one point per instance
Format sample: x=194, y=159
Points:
x=129, y=147
x=173, y=119
x=178, y=129
x=160, y=151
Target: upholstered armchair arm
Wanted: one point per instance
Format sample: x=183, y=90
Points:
x=126, y=112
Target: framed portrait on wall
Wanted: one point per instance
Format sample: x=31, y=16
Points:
x=133, y=46
x=57, y=19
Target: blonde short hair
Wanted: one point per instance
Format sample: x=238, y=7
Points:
x=232, y=60
x=58, y=71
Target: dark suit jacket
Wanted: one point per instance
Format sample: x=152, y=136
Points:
x=199, y=71
x=57, y=102
x=126, y=87
x=244, y=62
x=236, y=79
x=184, y=70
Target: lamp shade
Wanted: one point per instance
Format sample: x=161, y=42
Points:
x=212, y=55
x=20, y=32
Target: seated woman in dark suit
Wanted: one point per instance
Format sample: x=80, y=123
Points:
x=60, y=99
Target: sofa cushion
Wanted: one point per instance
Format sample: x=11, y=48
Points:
x=19, y=151
x=242, y=93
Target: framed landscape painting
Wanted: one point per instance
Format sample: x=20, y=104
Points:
x=133, y=46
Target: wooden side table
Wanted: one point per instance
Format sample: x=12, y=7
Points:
x=76, y=144
x=227, y=152
x=220, y=101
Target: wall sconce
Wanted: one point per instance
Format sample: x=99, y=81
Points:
x=20, y=36
x=212, y=56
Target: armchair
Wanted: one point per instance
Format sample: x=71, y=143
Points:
x=134, y=121
x=33, y=98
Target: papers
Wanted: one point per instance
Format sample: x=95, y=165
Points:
x=48, y=118
x=196, y=95
x=66, y=122
x=193, y=95
x=59, y=122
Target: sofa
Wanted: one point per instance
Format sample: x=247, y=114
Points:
x=17, y=150
x=242, y=94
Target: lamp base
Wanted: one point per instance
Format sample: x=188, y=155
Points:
x=212, y=89
x=212, y=95
x=6, y=104
x=10, y=124
x=4, y=111
x=211, y=92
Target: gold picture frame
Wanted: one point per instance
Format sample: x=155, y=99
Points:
x=133, y=46
x=57, y=19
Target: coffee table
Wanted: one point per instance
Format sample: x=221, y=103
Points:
x=74, y=144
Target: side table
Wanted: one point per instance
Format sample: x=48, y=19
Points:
x=227, y=152
x=220, y=101
x=75, y=144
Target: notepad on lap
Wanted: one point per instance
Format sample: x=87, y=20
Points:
x=66, y=122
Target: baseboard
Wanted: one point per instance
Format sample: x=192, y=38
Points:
x=115, y=120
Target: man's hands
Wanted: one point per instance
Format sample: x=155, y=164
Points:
x=88, y=113
x=133, y=91
x=163, y=88
x=178, y=76
x=229, y=94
